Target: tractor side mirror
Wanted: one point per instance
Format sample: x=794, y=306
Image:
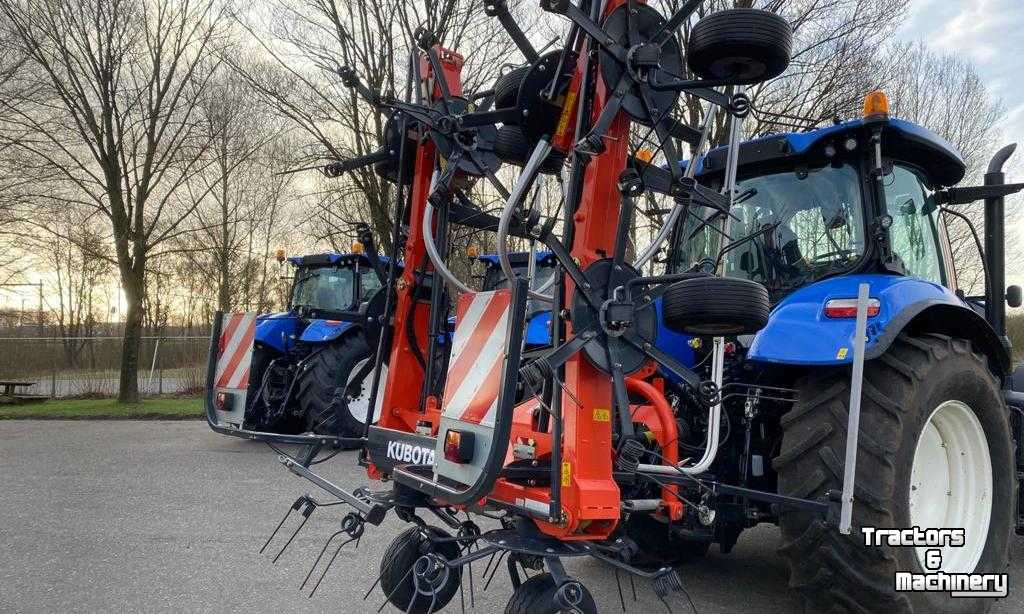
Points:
x=1013, y=296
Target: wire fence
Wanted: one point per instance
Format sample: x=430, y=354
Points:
x=90, y=366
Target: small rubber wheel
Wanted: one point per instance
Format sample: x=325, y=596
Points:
x=396, y=571
x=742, y=46
x=537, y=596
x=506, y=88
x=716, y=306
x=512, y=146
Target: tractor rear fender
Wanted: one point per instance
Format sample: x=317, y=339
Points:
x=800, y=333
x=277, y=330
x=323, y=331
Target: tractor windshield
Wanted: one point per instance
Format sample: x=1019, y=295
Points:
x=324, y=289
x=787, y=229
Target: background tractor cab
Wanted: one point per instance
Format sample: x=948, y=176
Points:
x=538, y=314
x=301, y=359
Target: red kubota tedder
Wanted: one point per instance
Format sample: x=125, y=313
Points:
x=568, y=450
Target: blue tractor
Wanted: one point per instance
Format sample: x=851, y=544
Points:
x=311, y=366
x=817, y=215
x=301, y=359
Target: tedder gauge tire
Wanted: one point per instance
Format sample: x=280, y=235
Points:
x=506, y=88
x=743, y=46
x=396, y=571
x=512, y=146
x=934, y=452
x=322, y=388
x=714, y=306
x=537, y=596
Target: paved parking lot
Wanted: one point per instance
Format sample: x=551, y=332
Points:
x=168, y=517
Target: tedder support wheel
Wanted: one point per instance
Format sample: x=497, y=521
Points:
x=744, y=46
x=397, y=570
x=322, y=389
x=511, y=146
x=537, y=596
x=935, y=452
x=716, y=306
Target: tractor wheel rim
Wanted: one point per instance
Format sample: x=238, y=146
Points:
x=951, y=484
x=359, y=404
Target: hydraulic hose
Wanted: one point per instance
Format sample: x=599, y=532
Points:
x=677, y=210
x=530, y=170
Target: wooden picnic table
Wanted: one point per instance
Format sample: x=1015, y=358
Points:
x=10, y=387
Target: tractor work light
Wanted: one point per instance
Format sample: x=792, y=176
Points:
x=472, y=251
x=357, y=247
x=876, y=106
x=458, y=446
x=847, y=308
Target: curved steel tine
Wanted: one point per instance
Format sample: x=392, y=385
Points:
x=330, y=563
x=317, y=561
x=294, y=507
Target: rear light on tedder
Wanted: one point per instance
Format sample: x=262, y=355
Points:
x=458, y=446
x=223, y=401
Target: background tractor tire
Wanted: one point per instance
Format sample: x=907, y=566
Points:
x=743, y=46
x=321, y=389
x=537, y=596
x=396, y=575
x=903, y=389
x=716, y=306
x=512, y=146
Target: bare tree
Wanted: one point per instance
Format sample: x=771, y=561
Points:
x=946, y=94
x=117, y=83
x=308, y=40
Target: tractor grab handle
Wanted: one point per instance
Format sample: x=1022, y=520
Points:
x=853, y=424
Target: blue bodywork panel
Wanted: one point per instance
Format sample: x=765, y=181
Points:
x=799, y=333
x=333, y=258
x=538, y=328
x=277, y=330
x=676, y=345
x=902, y=140
x=321, y=331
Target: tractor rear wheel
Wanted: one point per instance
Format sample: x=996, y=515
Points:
x=322, y=389
x=934, y=452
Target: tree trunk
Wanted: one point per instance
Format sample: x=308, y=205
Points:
x=133, y=282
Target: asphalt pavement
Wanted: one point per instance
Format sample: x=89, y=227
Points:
x=126, y=516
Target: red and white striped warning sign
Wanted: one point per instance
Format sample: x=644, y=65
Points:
x=478, y=351
x=237, y=332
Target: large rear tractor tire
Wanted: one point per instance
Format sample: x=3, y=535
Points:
x=322, y=390
x=935, y=451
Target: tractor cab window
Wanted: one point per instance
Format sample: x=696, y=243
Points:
x=913, y=232
x=788, y=228
x=324, y=289
x=368, y=284
x=494, y=279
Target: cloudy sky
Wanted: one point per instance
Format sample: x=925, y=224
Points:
x=989, y=33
